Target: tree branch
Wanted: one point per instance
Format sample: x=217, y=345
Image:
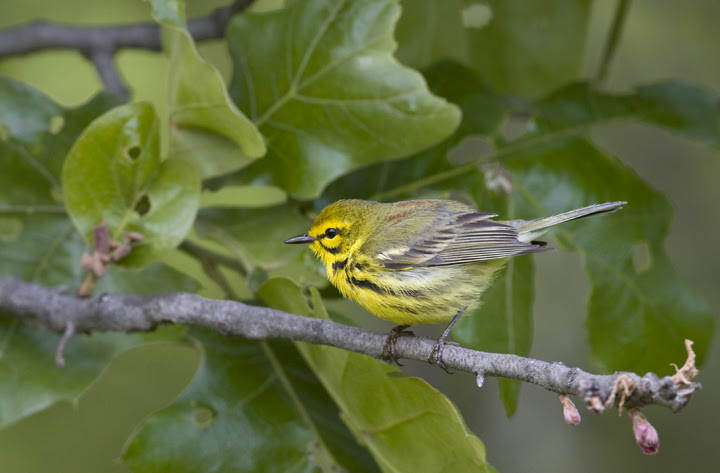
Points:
x=100, y=43
x=55, y=311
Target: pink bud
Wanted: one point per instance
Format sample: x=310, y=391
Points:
x=135, y=236
x=645, y=434
x=570, y=412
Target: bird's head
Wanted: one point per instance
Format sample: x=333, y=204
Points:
x=339, y=230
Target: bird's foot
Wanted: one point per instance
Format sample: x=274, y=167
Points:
x=437, y=352
x=389, y=353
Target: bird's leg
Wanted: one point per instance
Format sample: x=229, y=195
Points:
x=437, y=351
x=388, y=351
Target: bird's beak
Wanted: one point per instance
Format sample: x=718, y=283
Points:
x=301, y=239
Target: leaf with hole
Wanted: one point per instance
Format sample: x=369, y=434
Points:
x=252, y=406
x=114, y=172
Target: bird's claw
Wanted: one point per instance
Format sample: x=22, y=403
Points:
x=437, y=352
x=389, y=353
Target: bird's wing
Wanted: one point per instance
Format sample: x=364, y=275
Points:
x=446, y=236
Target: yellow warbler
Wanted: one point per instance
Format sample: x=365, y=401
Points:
x=421, y=261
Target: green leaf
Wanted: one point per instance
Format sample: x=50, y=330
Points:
x=252, y=406
x=483, y=110
x=243, y=196
x=683, y=108
x=39, y=134
x=26, y=115
x=39, y=242
x=327, y=93
x=114, y=172
x=430, y=31
x=32, y=382
x=687, y=110
x=638, y=314
x=518, y=48
x=530, y=48
x=428, y=172
x=207, y=129
x=395, y=417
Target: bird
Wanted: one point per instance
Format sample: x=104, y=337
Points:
x=422, y=261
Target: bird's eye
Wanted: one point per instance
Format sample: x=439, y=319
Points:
x=331, y=233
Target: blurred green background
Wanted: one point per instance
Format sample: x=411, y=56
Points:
x=663, y=39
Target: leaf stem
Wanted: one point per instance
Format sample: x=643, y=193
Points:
x=424, y=182
x=612, y=41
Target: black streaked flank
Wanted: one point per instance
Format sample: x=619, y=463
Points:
x=365, y=284
x=400, y=308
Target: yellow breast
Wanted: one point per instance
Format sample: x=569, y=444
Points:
x=412, y=296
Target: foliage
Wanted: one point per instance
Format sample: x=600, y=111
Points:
x=320, y=108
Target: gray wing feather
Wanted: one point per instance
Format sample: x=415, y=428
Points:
x=459, y=238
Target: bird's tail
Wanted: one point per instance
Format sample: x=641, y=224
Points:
x=529, y=230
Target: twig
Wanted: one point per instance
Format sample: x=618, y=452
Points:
x=100, y=43
x=613, y=40
x=213, y=26
x=44, y=307
x=109, y=74
x=67, y=335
